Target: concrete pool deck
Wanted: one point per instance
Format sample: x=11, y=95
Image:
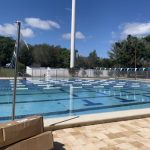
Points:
x=122, y=135
x=91, y=119
x=120, y=130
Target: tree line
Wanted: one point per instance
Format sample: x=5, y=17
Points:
x=44, y=55
x=131, y=52
x=124, y=53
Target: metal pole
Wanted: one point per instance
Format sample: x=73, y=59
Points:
x=73, y=30
x=16, y=70
x=135, y=64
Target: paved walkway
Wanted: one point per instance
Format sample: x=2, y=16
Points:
x=124, y=135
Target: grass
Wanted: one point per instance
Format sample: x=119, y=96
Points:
x=6, y=72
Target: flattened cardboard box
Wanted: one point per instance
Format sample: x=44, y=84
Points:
x=42, y=141
x=15, y=131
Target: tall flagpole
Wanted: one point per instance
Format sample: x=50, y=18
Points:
x=16, y=70
x=73, y=32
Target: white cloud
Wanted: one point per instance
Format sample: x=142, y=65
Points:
x=66, y=36
x=135, y=29
x=27, y=32
x=11, y=30
x=42, y=24
x=8, y=29
x=79, y=36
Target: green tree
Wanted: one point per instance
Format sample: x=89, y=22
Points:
x=106, y=63
x=127, y=52
x=64, y=58
x=6, y=50
x=82, y=62
x=25, y=55
x=50, y=56
x=93, y=59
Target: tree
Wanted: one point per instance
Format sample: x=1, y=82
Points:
x=64, y=58
x=128, y=52
x=7, y=45
x=25, y=55
x=93, y=59
x=50, y=56
x=106, y=63
x=82, y=62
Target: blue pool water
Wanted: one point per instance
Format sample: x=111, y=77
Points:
x=58, y=98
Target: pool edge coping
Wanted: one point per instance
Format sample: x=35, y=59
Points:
x=92, y=119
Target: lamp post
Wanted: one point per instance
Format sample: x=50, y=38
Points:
x=73, y=32
x=16, y=70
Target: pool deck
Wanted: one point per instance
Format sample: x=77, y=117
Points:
x=121, y=130
x=123, y=135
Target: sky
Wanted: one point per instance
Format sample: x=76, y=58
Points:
x=99, y=23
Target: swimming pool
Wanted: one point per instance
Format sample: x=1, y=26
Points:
x=71, y=97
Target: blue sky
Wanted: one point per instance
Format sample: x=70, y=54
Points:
x=99, y=23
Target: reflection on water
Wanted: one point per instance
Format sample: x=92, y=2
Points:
x=71, y=101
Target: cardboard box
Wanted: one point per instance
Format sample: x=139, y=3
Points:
x=42, y=141
x=1, y=136
x=1, y=133
x=15, y=131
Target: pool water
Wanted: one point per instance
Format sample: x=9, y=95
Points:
x=58, y=98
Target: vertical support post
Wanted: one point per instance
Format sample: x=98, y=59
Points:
x=135, y=64
x=16, y=70
x=73, y=32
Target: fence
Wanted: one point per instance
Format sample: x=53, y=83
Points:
x=87, y=73
x=64, y=72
